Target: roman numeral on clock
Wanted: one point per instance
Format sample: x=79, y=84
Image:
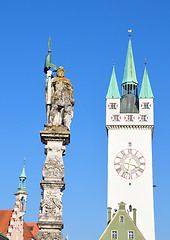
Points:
x=123, y=152
x=141, y=170
x=118, y=170
x=117, y=163
x=130, y=151
x=124, y=175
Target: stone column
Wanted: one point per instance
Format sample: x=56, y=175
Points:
x=55, y=136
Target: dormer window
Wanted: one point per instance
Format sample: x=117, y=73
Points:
x=130, y=235
x=121, y=219
x=114, y=235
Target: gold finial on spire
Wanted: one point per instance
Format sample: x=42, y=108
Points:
x=129, y=31
x=145, y=61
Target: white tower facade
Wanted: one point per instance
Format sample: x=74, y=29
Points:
x=130, y=123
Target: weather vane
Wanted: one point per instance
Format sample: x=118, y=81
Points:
x=130, y=30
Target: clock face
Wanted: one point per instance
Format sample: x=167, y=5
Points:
x=129, y=163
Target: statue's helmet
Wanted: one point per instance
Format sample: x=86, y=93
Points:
x=60, y=72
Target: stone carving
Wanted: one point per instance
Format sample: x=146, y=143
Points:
x=51, y=207
x=59, y=100
x=54, y=166
x=57, y=235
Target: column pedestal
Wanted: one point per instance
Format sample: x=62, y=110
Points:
x=50, y=216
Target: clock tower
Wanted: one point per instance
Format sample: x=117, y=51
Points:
x=130, y=123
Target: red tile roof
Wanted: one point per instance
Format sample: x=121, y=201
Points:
x=5, y=217
x=33, y=227
x=30, y=229
x=27, y=233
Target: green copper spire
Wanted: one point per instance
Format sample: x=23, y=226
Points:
x=129, y=73
x=22, y=180
x=23, y=175
x=146, y=91
x=113, y=91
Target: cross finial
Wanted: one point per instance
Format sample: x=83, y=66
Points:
x=145, y=61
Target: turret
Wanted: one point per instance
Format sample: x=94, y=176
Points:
x=15, y=230
x=21, y=194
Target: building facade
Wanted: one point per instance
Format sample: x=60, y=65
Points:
x=130, y=123
x=12, y=224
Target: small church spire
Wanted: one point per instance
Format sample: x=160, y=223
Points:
x=22, y=180
x=129, y=83
x=113, y=91
x=146, y=91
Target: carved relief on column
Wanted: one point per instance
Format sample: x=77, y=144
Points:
x=54, y=167
x=44, y=235
x=52, y=186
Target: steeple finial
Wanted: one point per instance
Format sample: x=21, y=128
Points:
x=129, y=83
x=129, y=31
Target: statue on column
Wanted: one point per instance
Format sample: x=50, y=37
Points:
x=59, y=96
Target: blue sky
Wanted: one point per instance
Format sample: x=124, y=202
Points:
x=87, y=37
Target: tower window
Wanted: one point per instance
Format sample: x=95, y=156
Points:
x=146, y=105
x=121, y=219
x=130, y=118
x=130, y=235
x=114, y=234
x=115, y=118
x=143, y=118
x=113, y=105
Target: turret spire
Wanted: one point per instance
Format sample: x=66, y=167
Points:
x=146, y=91
x=22, y=180
x=113, y=91
x=129, y=83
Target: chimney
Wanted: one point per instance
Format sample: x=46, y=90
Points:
x=109, y=209
x=134, y=215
